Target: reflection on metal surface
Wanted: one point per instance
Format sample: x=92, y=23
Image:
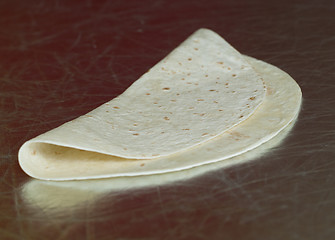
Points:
x=52, y=197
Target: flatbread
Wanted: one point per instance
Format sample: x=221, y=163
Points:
x=131, y=136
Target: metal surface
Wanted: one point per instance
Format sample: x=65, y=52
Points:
x=60, y=59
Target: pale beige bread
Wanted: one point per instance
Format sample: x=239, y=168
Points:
x=281, y=105
x=201, y=89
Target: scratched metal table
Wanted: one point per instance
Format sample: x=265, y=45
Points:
x=60, y=59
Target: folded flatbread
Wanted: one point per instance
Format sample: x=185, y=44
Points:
x=204, y=102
